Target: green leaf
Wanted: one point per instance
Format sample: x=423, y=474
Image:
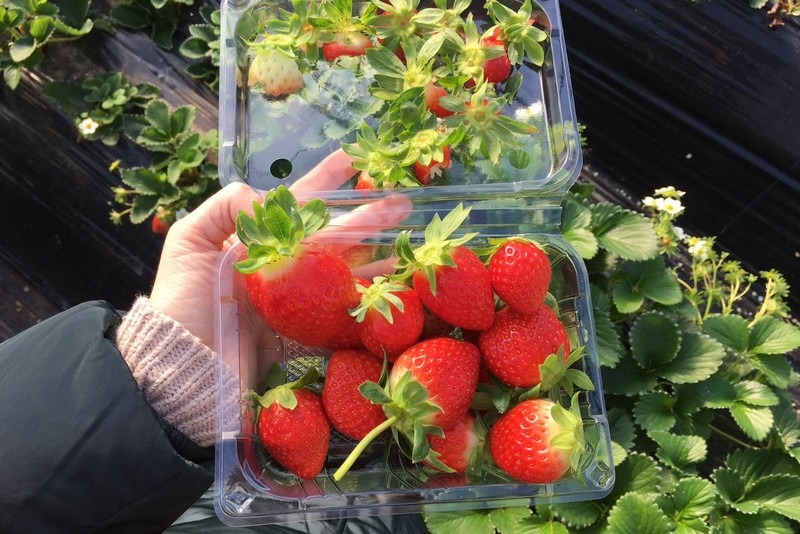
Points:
x=143, y=180
x=578, y=514
x=653, y=280
x=539, y=525
x=40, y=29
x=654, y=340
x=194, y=48
x=787, y=427
x=507, y=520
x=770, y=335
x=635, y=513
x=698, y=358
x=157, y=114
x=692, y=498
x=677, y=451
x=180, y=122
x=764, y=522
x=625, y=233
x=131, y=16
x=638, y=473
x=69, y=97
x=73, y=12
x=12, y=75
x=730, y=487
x=626, y=299
x=775, y=368
x=22, y=48
x=621, y=427
x=627, y=378
x=756, y=422
x=779, y=493
x=655, y=411
x=755, y=393
x=730, y=330
x=143, y=206
x=751, y=465
x=476, y=522
x=718, y=392
x=609, y=343
x=164, y=27
x=576, y=219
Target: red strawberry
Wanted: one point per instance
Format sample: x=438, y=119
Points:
x=430, y=386
x=293, y=427
x=497, y=69
x=537, y=441
x=348, y=411
x=462, y=446
x=449, y=278
x=448, y=370
x=276, y=72
x=520, y=272
x=348, y=338
x=365, y=182
x=517, y=343
x=349, y=43
x=303, y=293
x=431, y=96
x=427, y=173
x=159, y=226
x=389, y=317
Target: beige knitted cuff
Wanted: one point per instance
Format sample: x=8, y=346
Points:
x=173, y=368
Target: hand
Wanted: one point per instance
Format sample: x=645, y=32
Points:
x=184, y=283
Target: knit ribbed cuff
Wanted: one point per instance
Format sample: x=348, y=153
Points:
x=174, y=370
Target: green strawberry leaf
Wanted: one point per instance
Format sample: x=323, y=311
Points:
x=776, y=369
x=730, y=330
x=679, y=452
x=787, y=427
x=578, y=514
x=627, y=378
x=756, y=422
x=751, y=465
x=539, y=525
x=698, y=358
x=655, y=411
x=770, y=335
x=609, y=343
x=638, y=473
x=689, y=505
x=628, y=234
x=762, y=522
x=778, y=493
x=576, y=220
x=655, y=340
x=649, y=279
x=508, y=520
x=756, y=393
x=634, y=513
x=621, y=427
x=472, y=521
x=718, y=392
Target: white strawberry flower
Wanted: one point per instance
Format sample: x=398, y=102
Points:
x=671, y=206
x=181, y=213
x=650, y=202
x=669, y=192
x=88, y=126
x=699, y=248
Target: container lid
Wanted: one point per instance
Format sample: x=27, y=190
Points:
x=299, y=81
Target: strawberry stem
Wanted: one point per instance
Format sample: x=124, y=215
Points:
x=356, y=452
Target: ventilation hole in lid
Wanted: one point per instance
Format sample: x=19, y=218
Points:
x=281, y=168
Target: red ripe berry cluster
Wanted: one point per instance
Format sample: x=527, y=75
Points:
x=411, y=349
x=449, y=69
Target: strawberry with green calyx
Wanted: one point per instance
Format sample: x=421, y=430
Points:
x=339, y=31
x=429, y=389
x=472, y=54
x=292, y=425
x=520, y=271
x=389, y=317
x=518, y=343
x=449, y=278
x=382, y=165
x=487, y=130
x=539, y=441
x=396, y=21
x=462, y=448
x=430, y=149
x=557, y=374
x=346, y=44
x=394, y=76
x=300, y=290
x=518, y=32
x=275, y=66
x=348, y=411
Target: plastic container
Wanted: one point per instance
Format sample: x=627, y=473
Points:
x=251, y=489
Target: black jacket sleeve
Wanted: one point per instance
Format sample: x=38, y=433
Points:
x=80, y=448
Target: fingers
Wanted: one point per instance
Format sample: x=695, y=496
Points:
x=328, y=175
x=215, y=219
x=365, y=221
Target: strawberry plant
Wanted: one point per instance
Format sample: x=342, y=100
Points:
x=27, y=26
x=202, y=46
x=100, y=104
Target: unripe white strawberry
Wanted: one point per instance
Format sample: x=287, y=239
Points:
x=277, y=73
